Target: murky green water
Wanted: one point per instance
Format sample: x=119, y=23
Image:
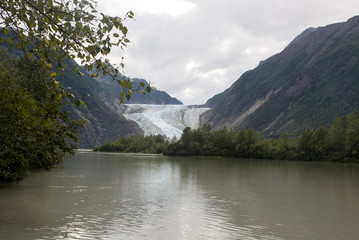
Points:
x=126, y=196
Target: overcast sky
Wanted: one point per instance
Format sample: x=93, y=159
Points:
x=194, y=49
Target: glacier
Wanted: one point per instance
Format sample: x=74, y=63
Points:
x=167, y=120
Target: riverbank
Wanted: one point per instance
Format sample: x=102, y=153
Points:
x=338, y=142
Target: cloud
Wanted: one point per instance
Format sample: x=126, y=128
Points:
x=162, y=7
x=194, y=49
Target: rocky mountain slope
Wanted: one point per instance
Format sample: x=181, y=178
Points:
x=155, y=97
x=312, y=81
x=103, y=111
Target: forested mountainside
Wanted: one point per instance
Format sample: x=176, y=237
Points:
x=312, y=81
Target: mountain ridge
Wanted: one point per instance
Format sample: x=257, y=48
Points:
x=312, y=81
x=154, y=97
x=103, y=111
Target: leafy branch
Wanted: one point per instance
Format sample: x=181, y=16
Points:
x=54, y=30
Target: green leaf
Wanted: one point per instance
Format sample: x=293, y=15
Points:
x=86, y=28
x=29, y=55
x=78, y=25
x=116, y=35
x=142, y=84
x=78, y=71
x=83, y=104
x=130, y=14
x=10, y=40
x=124, y=30
x=148, y=89
x=128, y=95
x=57, y=84
x=70, y=95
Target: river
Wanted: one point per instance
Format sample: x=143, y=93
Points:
x=135, y=196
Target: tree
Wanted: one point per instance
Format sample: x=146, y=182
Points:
x=223, y=142
x=54, y=30
x=34, y=131
x=285, y=147
x=337, y=135
x=352, y=136
x=313, y=144
x=136, y=144
x=247, y=143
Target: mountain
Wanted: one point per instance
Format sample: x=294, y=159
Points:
x=103, y=110
x=312, y=81
x=155, y=97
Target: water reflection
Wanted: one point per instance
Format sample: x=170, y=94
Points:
x=125, y=196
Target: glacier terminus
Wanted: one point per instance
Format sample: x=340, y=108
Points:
x=167, y=120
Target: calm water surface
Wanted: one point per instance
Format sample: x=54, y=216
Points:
x=127, y=196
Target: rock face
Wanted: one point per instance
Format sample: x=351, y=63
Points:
x=312, y=81
x=155, y=97
x=168, y=120
x=102, y=112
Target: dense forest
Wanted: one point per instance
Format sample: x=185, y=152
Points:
x=337, y=142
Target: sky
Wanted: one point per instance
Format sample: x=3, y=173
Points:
x=195, y=49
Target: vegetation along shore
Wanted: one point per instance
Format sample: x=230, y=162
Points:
x=337, y=142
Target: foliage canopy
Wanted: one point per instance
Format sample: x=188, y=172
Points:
x=54, y=30
x=34, y=131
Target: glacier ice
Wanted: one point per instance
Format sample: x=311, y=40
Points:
x=168, y=120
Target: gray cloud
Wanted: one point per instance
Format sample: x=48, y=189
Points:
x=202, y=52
